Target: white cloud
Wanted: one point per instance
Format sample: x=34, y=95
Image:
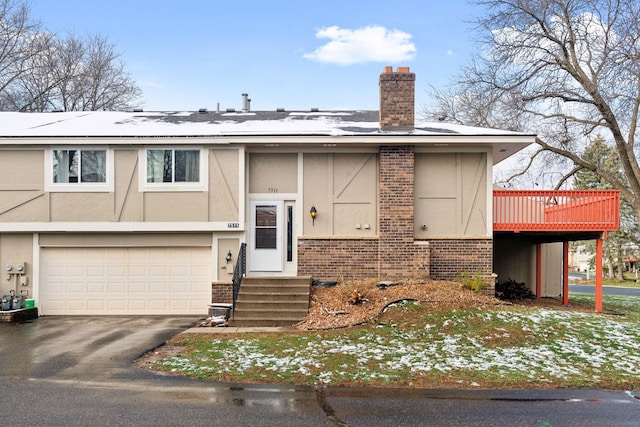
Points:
x=367, y=44
x=451, y=53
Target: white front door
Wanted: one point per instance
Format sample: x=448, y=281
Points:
x=266, y=248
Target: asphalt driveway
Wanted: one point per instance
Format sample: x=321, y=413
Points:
x=78, y=371
x=82, y=348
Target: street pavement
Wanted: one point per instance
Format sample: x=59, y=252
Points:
x=606, y=290
x=79, y=371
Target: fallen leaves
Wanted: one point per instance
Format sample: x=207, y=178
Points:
x=354, y=303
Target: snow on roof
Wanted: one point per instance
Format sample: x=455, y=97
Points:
x=204, y=124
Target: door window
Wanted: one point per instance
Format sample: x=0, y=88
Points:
x=266, y=227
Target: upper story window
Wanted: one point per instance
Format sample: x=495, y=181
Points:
x=172, y=169
x=79, y=169
x=79, y=166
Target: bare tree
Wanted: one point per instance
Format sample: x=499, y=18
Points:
x=564, y=69
x=18, y=44
x=96, y=78
x=41, y=72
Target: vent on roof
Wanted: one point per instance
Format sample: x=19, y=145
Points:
x=202, y=111
x=246, y=103
x=137, y=110
x=57, y=110
x=315, y=109
x=280, y=110
x=231, y=110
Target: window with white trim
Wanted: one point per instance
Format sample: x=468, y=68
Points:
x=79, y=169
x=175, y=169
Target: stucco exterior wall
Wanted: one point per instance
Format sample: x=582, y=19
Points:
x=23, y=197
x=343, y=189
x=15, y=248
x=451, y=195
x=273, y=173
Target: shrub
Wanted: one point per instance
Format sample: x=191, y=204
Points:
x=475, y=283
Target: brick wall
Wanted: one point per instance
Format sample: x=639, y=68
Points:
x=397, y=99
x=400, y=257
x=222, y=292
x=451, y=257
x=334, y=259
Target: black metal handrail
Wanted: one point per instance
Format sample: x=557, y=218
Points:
x=238, y=272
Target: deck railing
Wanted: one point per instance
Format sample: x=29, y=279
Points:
x=561, y=210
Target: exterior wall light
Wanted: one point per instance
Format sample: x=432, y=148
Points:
x=313, y=212
x=229, y=256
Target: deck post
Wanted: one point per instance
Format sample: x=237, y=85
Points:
x=565, y=272
x=598, y=302
x=538, y=270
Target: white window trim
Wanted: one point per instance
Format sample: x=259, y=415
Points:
x=79, y=187
x=145, y=186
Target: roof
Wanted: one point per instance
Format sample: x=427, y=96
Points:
x=205, y=124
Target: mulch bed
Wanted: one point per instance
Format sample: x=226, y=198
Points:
x=358, y=302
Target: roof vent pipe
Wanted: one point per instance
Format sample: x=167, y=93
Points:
x=245, y=102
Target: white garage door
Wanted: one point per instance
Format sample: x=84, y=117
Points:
x=112, y=281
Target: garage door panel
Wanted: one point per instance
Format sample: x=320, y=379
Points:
x=137, y=271
x=137, y=288
x=157, y=287
x=92, y=305
x=96, y=271
x=158, y=271
x=179, y=288
x=73, y=304
x=159, y=305
x=179, y=270
x=95, y=288
x=75, y=288
x=125, y=281
x=75, y=272
x=117, y=271
x=138, y=305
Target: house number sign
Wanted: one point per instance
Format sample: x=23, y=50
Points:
x=233, y=225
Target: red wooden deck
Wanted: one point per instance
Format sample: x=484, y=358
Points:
x=562, y=210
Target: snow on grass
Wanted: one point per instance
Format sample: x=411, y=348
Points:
x=536, y=345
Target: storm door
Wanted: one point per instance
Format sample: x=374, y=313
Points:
x=266, y=249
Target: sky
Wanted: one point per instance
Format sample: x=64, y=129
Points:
x=192, y=54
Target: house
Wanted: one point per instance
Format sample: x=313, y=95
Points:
x=141, y=212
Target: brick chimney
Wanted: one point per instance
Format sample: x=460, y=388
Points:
x=397, y=99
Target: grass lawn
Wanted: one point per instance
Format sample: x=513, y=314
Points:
x=414, y=346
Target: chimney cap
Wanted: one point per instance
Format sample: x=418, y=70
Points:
x=389, y=69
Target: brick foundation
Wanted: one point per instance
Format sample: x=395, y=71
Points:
x=222, y=292
x=451, y=257
x=334, y=259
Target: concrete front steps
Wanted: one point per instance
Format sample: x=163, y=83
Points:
x=272, y=301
